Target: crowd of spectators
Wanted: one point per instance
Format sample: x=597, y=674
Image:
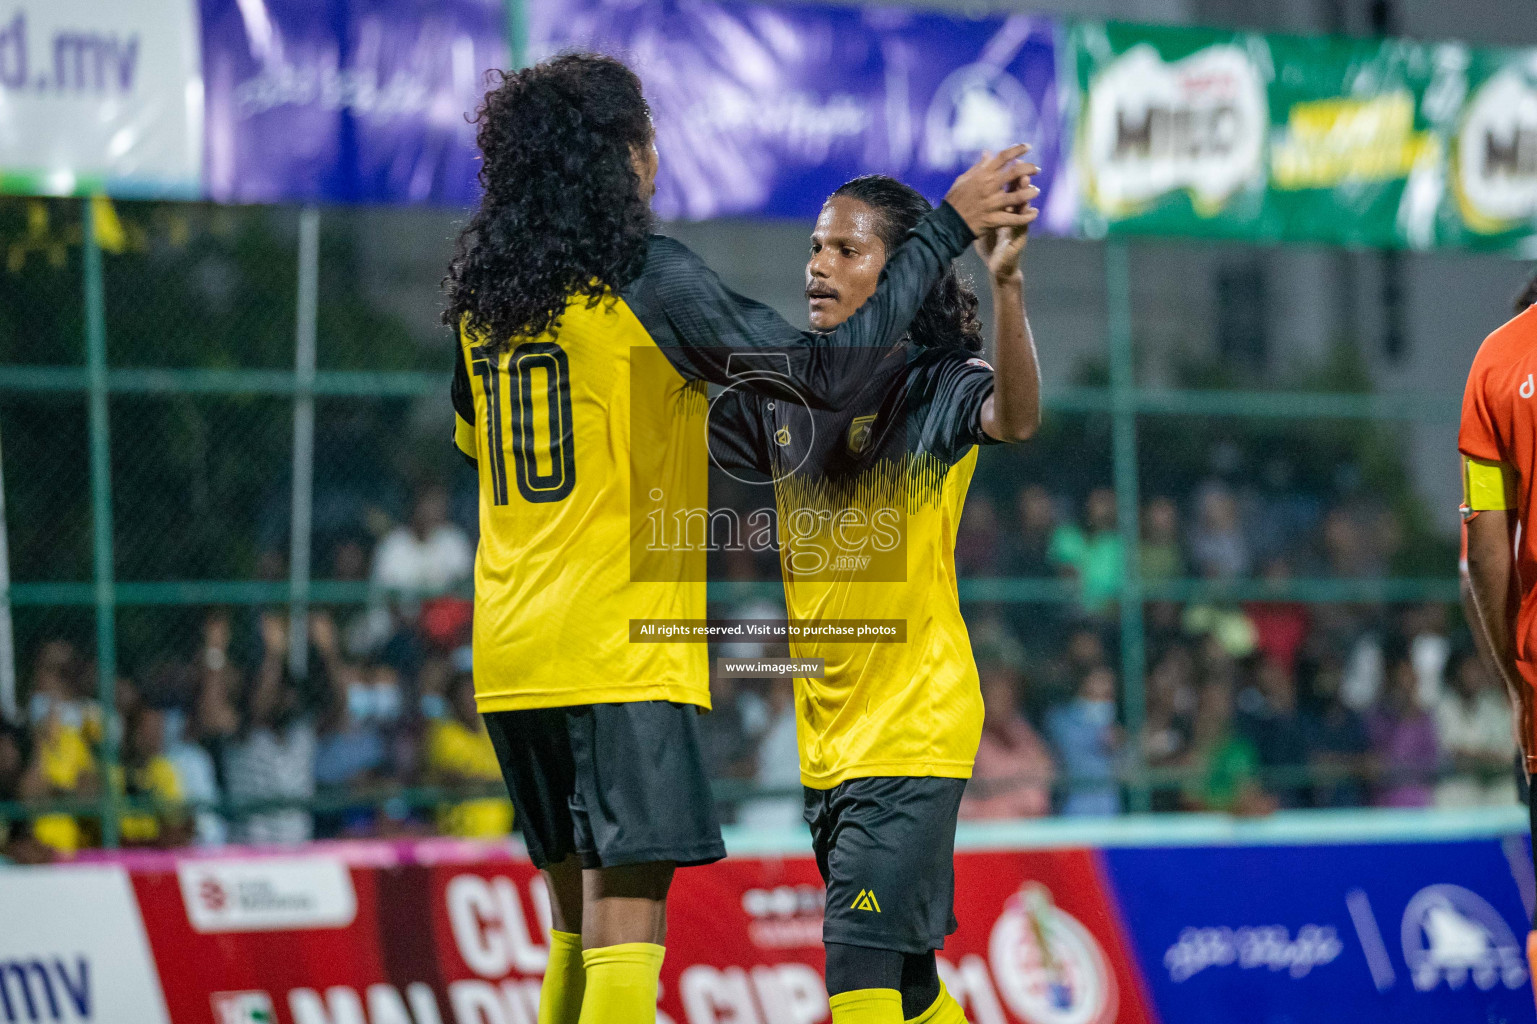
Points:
x=376, y=736
x=1249, y=705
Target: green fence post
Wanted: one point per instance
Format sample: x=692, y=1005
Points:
x=1123, y=413
x=517, y=33
x=8, y=709
x=101, y=517
x=301, y=518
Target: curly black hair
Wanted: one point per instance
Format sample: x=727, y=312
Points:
x=948, y=316
x=561, y=212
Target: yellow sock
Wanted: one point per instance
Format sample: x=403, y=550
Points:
x=867, y=1006
x=944, y=1011
x=621, y=983
x=560, y=997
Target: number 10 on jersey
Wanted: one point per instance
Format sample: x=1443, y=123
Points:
x=537, y=378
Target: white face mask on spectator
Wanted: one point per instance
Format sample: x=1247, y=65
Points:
x=373, y=702
x=70, y=714
x=1099, y=712
x=175, y=720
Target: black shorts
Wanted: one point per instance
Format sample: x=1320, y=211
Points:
x=886, y=850
x=612, y=783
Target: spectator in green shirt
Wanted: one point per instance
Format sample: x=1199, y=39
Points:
x=1091, y=555
x=1225, y=764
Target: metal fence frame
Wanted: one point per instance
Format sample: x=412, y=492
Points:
x=1123, y=401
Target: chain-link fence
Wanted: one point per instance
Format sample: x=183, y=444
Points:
x=1247, y=573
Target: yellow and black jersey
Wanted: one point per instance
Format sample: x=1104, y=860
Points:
x=581, y=434
x=868, y=499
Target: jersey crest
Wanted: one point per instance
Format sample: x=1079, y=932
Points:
x=860, y=432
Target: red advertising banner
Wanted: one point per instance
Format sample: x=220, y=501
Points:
x=452, y=934
x=1420, y=930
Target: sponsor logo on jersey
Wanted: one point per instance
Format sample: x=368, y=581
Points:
x=860, y=433
x=978, y=361
x=866, y=901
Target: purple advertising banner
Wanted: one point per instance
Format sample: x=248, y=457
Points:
x=346, y=101
x=764, y=110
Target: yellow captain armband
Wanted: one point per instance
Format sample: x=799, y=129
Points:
x=1487, y=486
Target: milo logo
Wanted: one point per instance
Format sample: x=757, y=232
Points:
x=1150, y=128
x=1496, y=152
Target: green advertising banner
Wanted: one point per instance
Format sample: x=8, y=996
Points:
x=1491, y=196
x=1281, y=138
x=1171, y=129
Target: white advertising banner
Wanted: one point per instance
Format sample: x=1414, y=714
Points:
x=73, y=949
x=267, y=894
x=100, y=96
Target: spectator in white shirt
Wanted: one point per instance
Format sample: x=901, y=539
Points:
x=1473, y=730
x=1217, y=543
x=1430, y=649
x=429, y=555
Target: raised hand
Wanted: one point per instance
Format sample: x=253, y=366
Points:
x=988, y=194
x=1002, y=247
x=1013, y=411
x=323, y=634
x=274, y=634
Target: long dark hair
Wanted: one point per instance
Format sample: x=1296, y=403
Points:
x=561, y=212
x=948, y=316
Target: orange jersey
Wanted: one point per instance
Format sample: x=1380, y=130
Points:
x=1499, y=424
